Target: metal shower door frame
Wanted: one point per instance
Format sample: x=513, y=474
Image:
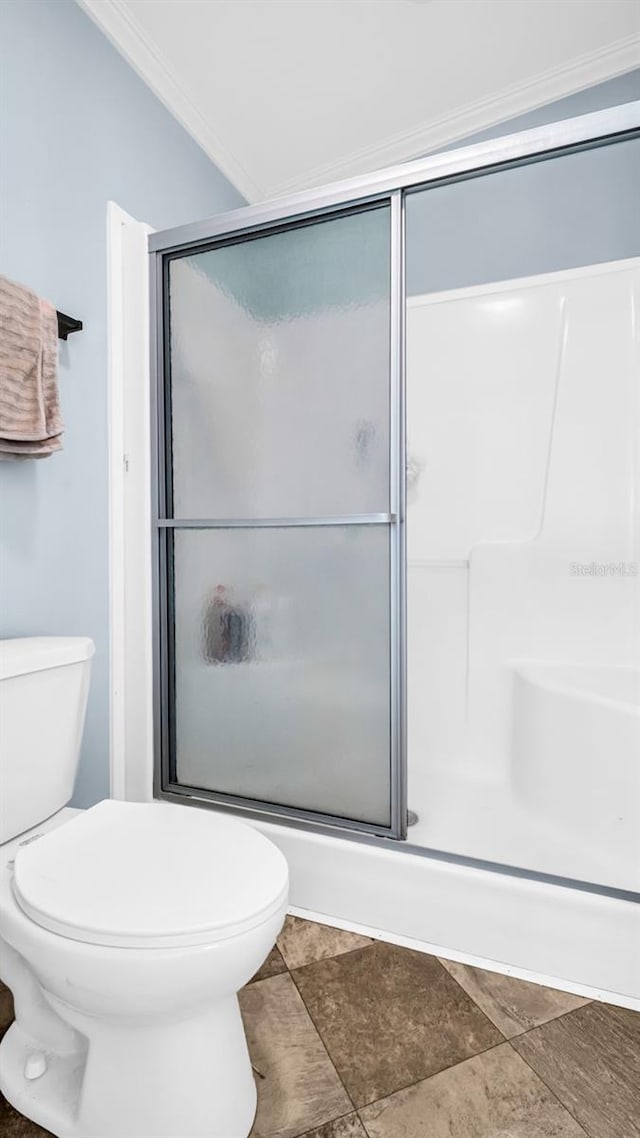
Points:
x=391, y=185
x=165, y=782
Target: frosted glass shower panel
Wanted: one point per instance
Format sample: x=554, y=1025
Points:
x=282, y=666
x=280, y=373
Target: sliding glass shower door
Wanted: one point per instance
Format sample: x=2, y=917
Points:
x=278, y=521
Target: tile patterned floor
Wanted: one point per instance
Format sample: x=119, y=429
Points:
x=356, y=1038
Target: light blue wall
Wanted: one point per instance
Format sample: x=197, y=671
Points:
x=77, y=128
x=579, y=209
x=558, y=214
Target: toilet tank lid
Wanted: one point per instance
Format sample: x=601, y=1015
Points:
x=35, y=653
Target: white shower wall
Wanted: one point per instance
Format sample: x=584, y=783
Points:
x=523, y=413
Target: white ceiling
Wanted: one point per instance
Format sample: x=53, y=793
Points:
x=286, y=94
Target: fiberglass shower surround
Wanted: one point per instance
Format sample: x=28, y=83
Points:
x=524, y=679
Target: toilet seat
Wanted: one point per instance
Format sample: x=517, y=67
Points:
x=150, y=875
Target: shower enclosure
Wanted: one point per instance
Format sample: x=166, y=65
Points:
x=397, y=532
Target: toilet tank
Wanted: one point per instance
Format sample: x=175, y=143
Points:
x=44, y=683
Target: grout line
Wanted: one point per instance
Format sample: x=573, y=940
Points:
x=554, y=1019
x=330, y=1122
x=335, y=955
x=310, y=963
x=319, y=1034
x=553, y=1094
x=468, y=1060
x=500, y=1043
x=373, y=941
x=427, y=1078
x=474, y=1002
x=505, y=1039
x=326, y=1049
x=320, y=924
x=362, y=1123
x=520, y=1034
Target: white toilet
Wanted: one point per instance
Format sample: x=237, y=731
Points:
x=126, y=931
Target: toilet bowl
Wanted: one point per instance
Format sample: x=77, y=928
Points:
x=126, y=931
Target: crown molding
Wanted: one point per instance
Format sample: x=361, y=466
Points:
x=122, y=29
x=116, y=21
x=583, y=71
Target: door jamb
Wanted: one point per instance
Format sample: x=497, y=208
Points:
x=130, y=602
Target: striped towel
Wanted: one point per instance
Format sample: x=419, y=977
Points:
x=30, y=419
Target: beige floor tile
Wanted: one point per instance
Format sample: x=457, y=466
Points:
x=303, y=942
x=300, y=1089
x=348, y=1127
x=513, y=1005
x=591, y=1060
x=494, y=1095
x=273, y=966
x=390, y=1016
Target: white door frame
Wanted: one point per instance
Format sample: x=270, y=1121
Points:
x=130, y=604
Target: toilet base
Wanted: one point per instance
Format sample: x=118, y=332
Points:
x=188, y=1078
